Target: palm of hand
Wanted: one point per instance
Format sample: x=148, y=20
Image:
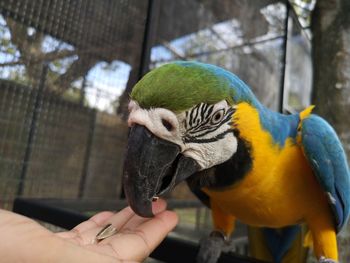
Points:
x=136, y=237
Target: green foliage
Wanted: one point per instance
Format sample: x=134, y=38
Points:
x=73, y=95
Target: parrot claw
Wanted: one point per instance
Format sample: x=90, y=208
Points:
x=326, y=260
x=211, y=247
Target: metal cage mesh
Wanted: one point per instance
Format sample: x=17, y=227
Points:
x=63, y=65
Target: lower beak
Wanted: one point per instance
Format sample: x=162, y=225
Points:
x=152, y=167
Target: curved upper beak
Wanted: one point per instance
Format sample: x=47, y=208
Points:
x=152, y=167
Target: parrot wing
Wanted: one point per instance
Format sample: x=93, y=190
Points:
x=327, y=158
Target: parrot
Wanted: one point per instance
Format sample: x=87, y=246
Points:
x=196, y=122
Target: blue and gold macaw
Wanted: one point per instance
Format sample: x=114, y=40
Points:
x=200, y=123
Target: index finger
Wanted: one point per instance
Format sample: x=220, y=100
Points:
x=138, y=243
x=155, y=230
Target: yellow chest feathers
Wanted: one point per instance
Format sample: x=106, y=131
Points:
x=278, y=178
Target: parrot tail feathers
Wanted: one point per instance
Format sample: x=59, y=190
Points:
x=308, y=240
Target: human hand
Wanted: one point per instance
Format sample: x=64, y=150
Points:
x=26, y=241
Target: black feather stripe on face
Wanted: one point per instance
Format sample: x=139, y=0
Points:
x=200, y=128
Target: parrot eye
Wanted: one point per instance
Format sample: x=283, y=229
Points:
x=217, y=117
x=167, y=125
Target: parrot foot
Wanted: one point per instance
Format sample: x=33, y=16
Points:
x=326, y=260
x=211, y=247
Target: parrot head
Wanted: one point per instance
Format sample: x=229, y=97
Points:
x=181, y=120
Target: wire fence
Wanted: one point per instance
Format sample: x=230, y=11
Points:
x=53, y=148
x=63, y=66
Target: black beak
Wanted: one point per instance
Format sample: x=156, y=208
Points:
x=152, y=167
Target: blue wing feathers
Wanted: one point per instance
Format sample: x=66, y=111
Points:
x=326, y=155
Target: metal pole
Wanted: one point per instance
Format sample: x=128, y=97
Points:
x=89, y=143
x=284, y=59
x=149, y=35
x=33, y=126
x=82, y=92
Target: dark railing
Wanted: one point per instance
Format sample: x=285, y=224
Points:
x=68, y=213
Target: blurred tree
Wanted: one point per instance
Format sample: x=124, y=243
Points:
x=25, y=46
x=331, y=62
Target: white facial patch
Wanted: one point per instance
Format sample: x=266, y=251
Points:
x=161, y=122
x=203, y=132
x=210, y=154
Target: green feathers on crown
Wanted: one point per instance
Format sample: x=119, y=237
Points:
x=181, y=85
